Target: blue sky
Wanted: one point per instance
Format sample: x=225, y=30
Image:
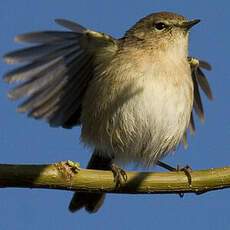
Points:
x=24, y=140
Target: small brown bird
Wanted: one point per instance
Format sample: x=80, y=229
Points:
x=133, y=96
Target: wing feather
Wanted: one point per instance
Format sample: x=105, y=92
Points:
x=197, y=103
x=44, y=37
x=199, y=82
x=203, y=83
x=56, y=71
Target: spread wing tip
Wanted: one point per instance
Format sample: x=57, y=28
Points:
x=200, y=82
x=7, y=59
x=205, y=65
x=70, y=25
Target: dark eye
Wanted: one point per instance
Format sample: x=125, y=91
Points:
x=160, y=26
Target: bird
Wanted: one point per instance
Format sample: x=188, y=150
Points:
x=134, y=97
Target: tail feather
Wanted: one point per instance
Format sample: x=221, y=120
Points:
x=91, y=201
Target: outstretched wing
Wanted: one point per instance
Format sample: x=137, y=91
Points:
x=57, y=71
x=199, y=82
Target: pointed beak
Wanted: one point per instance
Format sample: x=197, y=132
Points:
x=189, y=24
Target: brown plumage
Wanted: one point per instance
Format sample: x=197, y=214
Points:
x=134, y=97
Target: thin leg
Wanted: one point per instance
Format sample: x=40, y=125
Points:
x=166, y=166
x=186, y=169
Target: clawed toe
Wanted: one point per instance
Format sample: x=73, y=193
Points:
x=119, y=175
x=186, y=169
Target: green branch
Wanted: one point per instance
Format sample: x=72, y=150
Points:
x=66, y=176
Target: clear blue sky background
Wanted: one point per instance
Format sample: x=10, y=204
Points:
x=24, y=140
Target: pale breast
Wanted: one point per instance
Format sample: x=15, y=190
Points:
x=139, y=113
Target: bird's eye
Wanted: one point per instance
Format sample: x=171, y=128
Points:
x=160, y=26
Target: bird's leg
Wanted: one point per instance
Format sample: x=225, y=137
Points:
x=186, y=169
x=103, y=162
x=166, y=166
x=119, y=174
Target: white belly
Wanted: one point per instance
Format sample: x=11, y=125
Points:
x=138, y=120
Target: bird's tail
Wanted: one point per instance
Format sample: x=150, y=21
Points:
x=91, y=201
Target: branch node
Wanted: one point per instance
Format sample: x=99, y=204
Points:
x=68, y=169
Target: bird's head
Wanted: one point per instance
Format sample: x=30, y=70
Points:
x=161, y=30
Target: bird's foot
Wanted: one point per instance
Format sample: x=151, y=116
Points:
x=119, y=175
x=186, y=169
